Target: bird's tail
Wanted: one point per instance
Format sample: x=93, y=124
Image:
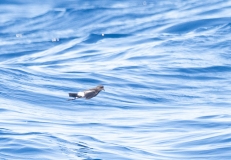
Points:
x=74, y=95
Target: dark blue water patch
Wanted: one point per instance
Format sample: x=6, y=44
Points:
x=195, y=5
x=156, y=100
x=192, y=25
x=184, y=153
x=91, y=51
x=101, y=125
x=22, y=150
x=224, y=29
x=116, y=35
x=5, y=35
x=126, y=68
x=3, y=110
x=226, y=55
x=8, y=56
x=50, y=64
x=190, y=97
x=212, y=69
x=93, y=38
x=187, y=77
x=223, y=46
x=217, y=142
x=5, y=132
x=212, y=11
x=196, y=124
x=75, y=72
x=5, y=140
x=76, y=17
x=49, y=18
x=147, y=57
x=172, y=43
x=67, y=39
x=125, y=16
x=14, y=23
x=17, y=73
x=9, y=51
x=10, y=2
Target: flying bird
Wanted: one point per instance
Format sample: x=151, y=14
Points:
x=87, y=94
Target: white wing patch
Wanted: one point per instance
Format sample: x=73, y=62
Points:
x=81, y=94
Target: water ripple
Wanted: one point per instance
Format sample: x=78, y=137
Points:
x=165, y=67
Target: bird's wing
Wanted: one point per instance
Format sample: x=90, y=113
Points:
x=90, y=93
x=73, y=94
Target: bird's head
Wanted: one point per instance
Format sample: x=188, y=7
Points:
x=100, y=87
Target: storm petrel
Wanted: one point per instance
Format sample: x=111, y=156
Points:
x=88, y=94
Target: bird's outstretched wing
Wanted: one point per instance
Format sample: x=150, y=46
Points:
x=90, y=93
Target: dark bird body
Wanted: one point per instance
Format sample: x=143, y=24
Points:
x=88, y=94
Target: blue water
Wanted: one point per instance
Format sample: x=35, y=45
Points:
x=165, y=65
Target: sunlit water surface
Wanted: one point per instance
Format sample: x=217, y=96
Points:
x=165, y=67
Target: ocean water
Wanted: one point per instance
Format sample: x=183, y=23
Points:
x=165, y=66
